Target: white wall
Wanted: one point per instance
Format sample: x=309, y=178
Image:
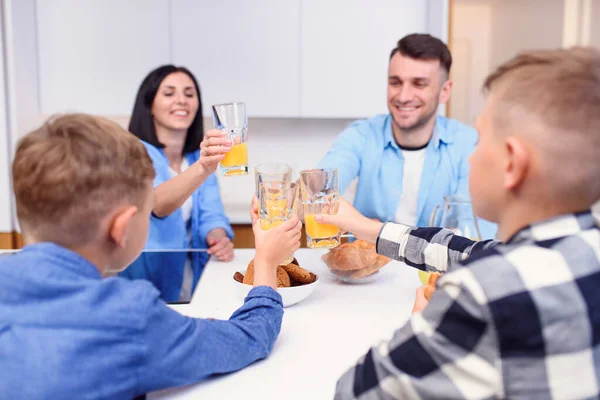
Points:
x=21, y=72
x=22, y=67
x=93, y=54
x=6, y=224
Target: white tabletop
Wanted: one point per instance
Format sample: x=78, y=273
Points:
x=320, y=339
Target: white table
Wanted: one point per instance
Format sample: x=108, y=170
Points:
x=320, y=339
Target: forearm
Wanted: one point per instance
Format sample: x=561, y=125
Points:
x=368, y=230
x=170, y=195
x=428, y=249
x=264, y=272
x=248, y=335
x=183, y=350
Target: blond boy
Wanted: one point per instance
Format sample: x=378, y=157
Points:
x=83, y=189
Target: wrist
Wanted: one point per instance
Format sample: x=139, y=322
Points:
x=217, y=233
x=262, y=260
x=200, y=170
x=369, y=230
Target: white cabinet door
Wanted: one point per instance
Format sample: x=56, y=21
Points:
x=345, y=52
x=93, y=55
x=241, y=51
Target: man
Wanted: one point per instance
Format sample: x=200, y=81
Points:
x=408, y=160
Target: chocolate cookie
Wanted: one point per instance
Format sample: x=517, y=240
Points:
x=297, y=273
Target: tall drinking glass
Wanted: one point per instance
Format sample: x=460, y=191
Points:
x=272, y=172
x=277, y=203
x=232, y=119
x=320, y=195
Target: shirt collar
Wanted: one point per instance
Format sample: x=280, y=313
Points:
x=63, y=258
x=555, y=228
x=440, y=134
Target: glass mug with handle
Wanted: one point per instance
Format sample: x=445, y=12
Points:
x=232, y=119
x=277, y=203
x=457, y=215
x=320, y=195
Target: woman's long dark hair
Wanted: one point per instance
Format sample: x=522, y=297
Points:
x=141, y=123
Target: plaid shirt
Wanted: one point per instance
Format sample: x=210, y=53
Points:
x=513, y=320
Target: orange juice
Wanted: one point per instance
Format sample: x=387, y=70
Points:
x=276, y=206
x=237, y=156
x=316, y=230
x=424, y=277
x=266, y=224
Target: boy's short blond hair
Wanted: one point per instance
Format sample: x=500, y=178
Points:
x=553, y=97
x=71, y=172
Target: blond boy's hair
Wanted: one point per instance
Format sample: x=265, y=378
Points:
x=71, y=172
x=553, y=97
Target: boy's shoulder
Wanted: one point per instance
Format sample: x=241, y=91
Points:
x=132, y=298
x=57, y=284
x=518, y=271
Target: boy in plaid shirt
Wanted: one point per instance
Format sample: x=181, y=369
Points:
x=519, y=318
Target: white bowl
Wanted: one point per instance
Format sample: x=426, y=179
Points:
x=289, y=295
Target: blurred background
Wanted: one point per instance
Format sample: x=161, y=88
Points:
x=305, y=68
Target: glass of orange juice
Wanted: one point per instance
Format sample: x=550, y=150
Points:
x=320, y=195
x=231, y=118
x=277, y=203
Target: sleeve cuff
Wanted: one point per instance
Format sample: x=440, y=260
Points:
x=392, y=240
x=265, y=291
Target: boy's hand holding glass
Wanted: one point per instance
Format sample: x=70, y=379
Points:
x=349, y=219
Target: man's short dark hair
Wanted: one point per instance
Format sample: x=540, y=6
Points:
x=421, y=46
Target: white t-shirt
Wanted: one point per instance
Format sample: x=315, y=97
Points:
x=186, y=211
x=406, y=213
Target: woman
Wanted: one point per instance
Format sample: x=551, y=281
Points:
x=188, y=212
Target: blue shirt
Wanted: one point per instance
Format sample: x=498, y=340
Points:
x=66, y=333
x=367, y=149
x=171, y=232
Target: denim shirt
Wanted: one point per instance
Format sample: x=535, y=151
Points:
x=66, y=333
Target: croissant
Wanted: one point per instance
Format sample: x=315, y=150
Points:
x=433, y=278
x=352, y=257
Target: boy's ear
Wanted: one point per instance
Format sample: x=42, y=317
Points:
x=120, y=225
x=517, y=163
